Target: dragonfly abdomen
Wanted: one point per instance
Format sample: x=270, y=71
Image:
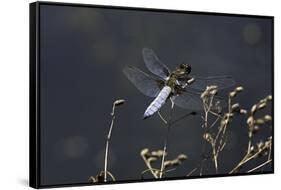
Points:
x=158, y=102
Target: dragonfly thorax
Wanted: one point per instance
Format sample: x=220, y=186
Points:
x=178, y=79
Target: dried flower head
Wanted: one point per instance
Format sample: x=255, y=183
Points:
x=235, y=107
x=232, y=94
x=158, y=153
x=168, y=163
x=208, y=137
x=250, y=120
x=252, y=149
x=144, y=152
x=259, y=121
x=151, y=159
x=175, y=162
x=254, y=108
x=119, y=102
x=243, y=111
x=239, y=89
x=214, y=92
x=210, y=90
x=182, y=157
x=267, y=118
x=260, y=145
x=269, y=97
x=261, y=106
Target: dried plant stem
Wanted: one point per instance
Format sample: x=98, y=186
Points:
x=112, y=177
x=191, y=172
x=148, y=165
x=269, y=153
x=260, y=166
x=166, y=140
x=250, y=135
x=162, y=118
x=217, y=139
x=249, y=157
x=215, y=157
x=254, y=151
x=107, y=143
x=207, y=105
x=116, y=103
x=164, y=153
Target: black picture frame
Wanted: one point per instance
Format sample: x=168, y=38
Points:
x=34, y=98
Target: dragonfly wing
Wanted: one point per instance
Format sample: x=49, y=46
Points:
x=221, y=82
x=154, y=64
x=148, y=85
x=188, y=100
x=191, y=100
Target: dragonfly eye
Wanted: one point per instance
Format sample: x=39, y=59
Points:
x=185, y=67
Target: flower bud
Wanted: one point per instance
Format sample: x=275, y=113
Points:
x=239, y=89
x=119, y=102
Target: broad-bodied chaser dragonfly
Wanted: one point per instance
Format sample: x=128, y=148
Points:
x=183, y=89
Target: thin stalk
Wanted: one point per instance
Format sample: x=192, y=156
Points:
x=116, y=103
x=162, y=118
x=246, y=159
x=202, y=163
x=259, y=166
x=107, y=144
x=207, y=109
x=166, y=140
x=149, y=167
x=191, y=172
x=215, y=157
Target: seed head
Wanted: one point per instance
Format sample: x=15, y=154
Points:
x=168, y=163
x=235, y=107
x=151, y=159
x=232, y=94
x=261, y=106
x=157, y=153
x=144, y=152
x=269, y=97
x=239, y=89
x=254, y=108
x=182, y=157
x=267, y=118
x=208, y=137
x=259, y=121
x=175, y=162
x=243, y=111
x=119, y=102
x=250, y=120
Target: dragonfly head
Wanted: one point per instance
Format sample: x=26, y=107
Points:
x=185, y=68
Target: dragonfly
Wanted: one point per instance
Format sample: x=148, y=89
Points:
x=183, y=89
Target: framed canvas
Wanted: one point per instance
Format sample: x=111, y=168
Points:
x=121, y=94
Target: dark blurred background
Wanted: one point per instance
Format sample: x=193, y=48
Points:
x=82, y=54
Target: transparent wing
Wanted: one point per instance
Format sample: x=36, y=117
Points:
x=148, y=85
x=191, y=100
x=188, y=100
x=221, y=82
x=154, y=64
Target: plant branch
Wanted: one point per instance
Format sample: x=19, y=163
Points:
x=166, y=140
x=148, y=165
x=260, y=166
x=116, y=103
